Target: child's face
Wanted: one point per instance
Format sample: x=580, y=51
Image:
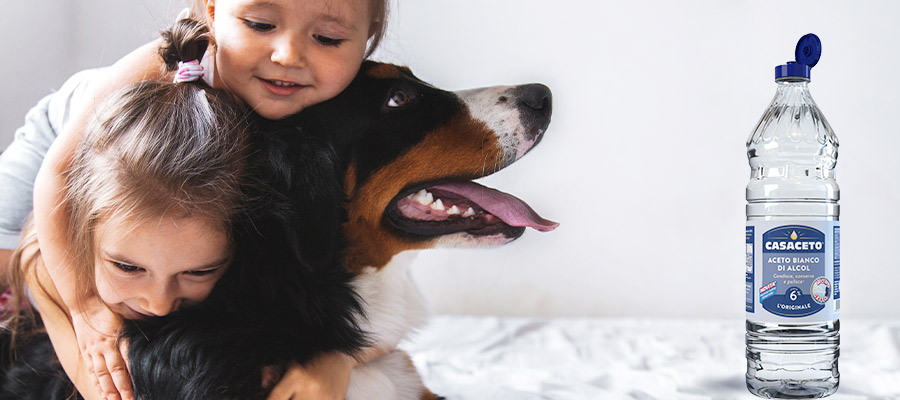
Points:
x=154, y=267
x=281, y=56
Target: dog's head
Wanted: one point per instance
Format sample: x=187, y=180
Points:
x=408, y=152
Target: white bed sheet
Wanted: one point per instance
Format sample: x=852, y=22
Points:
x=472, y=358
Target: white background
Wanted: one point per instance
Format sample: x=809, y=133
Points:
x=644, y=164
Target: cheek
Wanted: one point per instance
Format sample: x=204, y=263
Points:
x=227, y=65
x=108, y=291
x=341, y=71
x=237, y=56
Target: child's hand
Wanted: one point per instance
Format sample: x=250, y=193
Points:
x=96, y=330
x=327, y=377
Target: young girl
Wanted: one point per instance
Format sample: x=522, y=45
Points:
x=276, y=57
x=150, y=193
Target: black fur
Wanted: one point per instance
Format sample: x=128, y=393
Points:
x=32, y=372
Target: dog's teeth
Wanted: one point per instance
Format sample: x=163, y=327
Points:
x=429, y=197
x=422, y=197
x=470, y=212
x=438, y=205
x=453, y=211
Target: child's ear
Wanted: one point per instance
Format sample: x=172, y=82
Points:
x=210, y=9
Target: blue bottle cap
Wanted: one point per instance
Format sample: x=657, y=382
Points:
x=807, y=54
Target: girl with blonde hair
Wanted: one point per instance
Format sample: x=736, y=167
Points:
x=150, y=195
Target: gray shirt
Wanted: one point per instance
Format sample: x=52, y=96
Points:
x=20, y=162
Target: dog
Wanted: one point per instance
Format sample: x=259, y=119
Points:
x=361, y=182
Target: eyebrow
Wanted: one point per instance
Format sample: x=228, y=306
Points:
x=264, y=5
x=125, y=260
x=337, y=20
x=324, y=16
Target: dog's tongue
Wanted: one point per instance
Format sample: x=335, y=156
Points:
x=511, y=210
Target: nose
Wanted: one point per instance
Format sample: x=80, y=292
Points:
x=288, y=51
x=536, y=97
x=160, y=300
x=535, y=103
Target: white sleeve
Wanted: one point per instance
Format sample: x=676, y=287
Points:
x=20, y=162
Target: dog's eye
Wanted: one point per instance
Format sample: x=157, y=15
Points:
x=399, y=99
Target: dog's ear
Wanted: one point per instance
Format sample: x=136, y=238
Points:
x=299, y=195
x=315, y=191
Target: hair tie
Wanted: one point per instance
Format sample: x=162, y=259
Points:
x=188, y=71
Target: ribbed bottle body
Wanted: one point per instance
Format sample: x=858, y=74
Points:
x=793, y=250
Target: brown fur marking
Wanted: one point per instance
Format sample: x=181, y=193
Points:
x=463, y=148
x=384, y=71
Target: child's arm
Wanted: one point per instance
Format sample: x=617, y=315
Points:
x=4, y=266
x=326, y=377
x=19, y=165
x=59, y=328
x=51, y=222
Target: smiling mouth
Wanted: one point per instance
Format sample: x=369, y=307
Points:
x=463, y=206
x=282, y=88
x=282, y=83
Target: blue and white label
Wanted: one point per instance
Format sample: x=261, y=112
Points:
x=795, y=271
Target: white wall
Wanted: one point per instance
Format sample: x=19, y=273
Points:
x=48, y=40
x=644, y=164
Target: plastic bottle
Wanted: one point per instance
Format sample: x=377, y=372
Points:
x=793, y=242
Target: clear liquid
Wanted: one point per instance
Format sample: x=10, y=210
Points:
x=792, y=154
x=793, y=361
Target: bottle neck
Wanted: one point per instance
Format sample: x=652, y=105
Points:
x=793, y=81
x=792, y=90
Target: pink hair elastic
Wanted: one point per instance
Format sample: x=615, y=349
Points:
x=188, y=71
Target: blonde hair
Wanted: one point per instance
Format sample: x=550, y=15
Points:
x=378, y=10
x=158, y=149
x=153, y=149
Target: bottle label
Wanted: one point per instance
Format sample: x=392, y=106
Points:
x=793, y=271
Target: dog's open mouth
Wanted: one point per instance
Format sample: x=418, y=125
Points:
x=464, y=207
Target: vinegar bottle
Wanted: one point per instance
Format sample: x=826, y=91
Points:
x=793, y=242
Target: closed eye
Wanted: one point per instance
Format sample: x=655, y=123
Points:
x=258, y=26
x=328, y=41
x=127, y=268
x=209, y=269
x=201, y=272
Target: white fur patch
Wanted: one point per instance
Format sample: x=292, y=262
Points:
x=465, y=239
x=496, y=106
x=394, y=309
x=394, y=306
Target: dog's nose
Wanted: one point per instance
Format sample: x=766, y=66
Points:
x=535, y=102
x=536, y=97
